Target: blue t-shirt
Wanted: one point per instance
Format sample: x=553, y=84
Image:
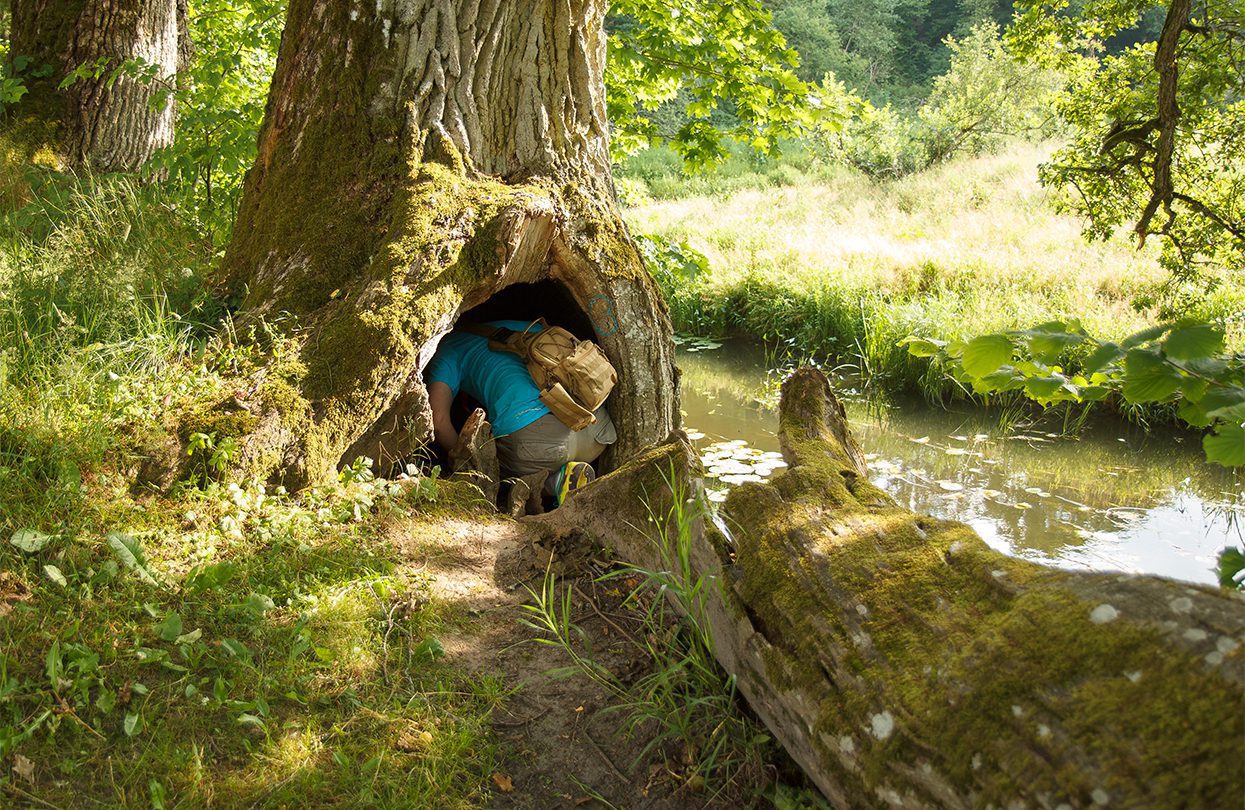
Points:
x=497, y=380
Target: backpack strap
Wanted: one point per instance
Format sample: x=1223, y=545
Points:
x=501, y=339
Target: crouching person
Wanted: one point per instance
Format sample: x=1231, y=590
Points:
x=542, y=390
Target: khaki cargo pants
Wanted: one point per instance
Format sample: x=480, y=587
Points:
x=547, y=444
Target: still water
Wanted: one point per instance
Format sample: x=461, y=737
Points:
x=1110, y=499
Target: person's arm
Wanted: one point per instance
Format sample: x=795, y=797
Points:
x=440, y=398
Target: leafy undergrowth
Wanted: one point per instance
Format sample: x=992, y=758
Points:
x=208, y=642
x=237, y=647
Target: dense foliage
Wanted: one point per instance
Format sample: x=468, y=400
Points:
x=1158, y=128
x=705, y=59
x=220, y=103
x=986, y=97
x=1182, y=362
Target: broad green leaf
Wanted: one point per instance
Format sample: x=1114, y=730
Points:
x=236, y=648
x=209, y=577
x=53, y=573
x=1005, y=379
x=921, y=347
x=132, y=724
x=1144, y=336
x=150, y=655
x=259, y=603
x=1193, y=388
x=1226, y=446
x=1103, y=356
x=1047, y=346
x=1194, y=413
x=189, y=638
x=31, y=541
x=170, y=628
x=1043, y=388
x=250, y=719
x=1148, y=377
x=1231, y=563
x=1221, y=401
x=130, y=552
x=429, y=649
x=1206, y=366
x=1193, y=342
x=986, y=354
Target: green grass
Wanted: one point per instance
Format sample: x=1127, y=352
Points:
x=839, y=266
x=262, y=651
x=658, y=173
x=209, y=644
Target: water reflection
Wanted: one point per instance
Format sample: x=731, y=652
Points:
x=1108, y=500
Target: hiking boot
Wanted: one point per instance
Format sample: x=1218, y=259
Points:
x=572, y=476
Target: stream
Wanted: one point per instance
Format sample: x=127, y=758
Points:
x=1111, y=498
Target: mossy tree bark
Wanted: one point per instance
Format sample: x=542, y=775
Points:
x=905, y=664
x=103, y=123
x=416, y=157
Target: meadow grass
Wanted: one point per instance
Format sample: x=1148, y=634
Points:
x=211, y=643
x=840, y=266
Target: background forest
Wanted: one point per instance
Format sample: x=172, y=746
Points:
x=958, y=200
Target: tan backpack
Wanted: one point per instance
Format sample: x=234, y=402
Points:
x=574, y=376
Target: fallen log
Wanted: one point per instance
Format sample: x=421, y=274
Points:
x=903, y=663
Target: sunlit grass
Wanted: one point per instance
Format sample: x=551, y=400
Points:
x=195, y=643
x=846, y=267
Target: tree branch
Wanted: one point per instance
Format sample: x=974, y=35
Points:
x=1166, y=63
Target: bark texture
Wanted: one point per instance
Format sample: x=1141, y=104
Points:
x=103, y=127
x=905, y=664
x=418, y=156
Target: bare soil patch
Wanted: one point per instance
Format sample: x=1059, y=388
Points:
x=563, y=751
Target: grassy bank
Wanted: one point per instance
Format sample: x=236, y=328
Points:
x=835, y=265
x=211, y=643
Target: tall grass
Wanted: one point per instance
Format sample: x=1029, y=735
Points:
x=846, y=267
x=221, y=644
x=101, y=311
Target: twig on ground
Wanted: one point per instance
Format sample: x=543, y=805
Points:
x=592, y=603
x=67, y=709
x=613, y=768
x=28, y=796
x=521, y=723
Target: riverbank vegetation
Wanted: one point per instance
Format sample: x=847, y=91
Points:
x=831, y=263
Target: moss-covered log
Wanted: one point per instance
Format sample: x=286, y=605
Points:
x=415, y=159
x=903, y=663
x=111, y=121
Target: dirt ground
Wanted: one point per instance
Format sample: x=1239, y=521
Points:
x=562, y=751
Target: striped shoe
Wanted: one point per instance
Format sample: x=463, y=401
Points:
x=572, y=476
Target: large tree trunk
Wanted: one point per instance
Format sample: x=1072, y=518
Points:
x=903, y=663
x=105, y=124
x=416, y=158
